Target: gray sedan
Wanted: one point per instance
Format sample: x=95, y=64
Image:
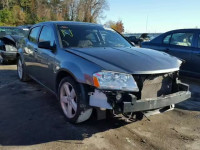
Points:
x=88, y=66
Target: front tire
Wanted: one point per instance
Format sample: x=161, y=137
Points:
x=21, y=72
x=71, y=96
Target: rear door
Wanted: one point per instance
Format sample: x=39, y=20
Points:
x=181, y=46
x=30, y=51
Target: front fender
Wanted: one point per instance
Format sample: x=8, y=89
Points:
x=20, y=51
x=82, y=70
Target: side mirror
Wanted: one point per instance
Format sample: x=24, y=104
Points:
x=46, y=45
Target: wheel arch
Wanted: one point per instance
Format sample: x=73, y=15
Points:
x=61, y=74
x=65, y=73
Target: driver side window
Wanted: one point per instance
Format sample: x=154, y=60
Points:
x=34, y=34
x=47, y=35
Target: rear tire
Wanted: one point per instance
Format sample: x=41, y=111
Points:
x=21, y=72
x=71, y=97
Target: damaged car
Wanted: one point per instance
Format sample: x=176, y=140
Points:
x=9, y=38
x=89, y=67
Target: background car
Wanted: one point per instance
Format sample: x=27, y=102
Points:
x=9, y=39
x=184, y=44
x=138, y=38
x=132, y=39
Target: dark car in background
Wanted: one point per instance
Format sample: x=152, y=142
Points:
x=138, y=38
x=184, y=44
x=131, y=38
x=88, y=66
x=9, y=39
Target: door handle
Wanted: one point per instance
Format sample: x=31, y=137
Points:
x=35, y=49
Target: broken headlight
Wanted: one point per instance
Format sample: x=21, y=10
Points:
x=115, y=81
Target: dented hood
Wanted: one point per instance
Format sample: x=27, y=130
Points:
x=130, y=60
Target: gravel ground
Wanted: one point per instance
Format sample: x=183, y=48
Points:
x=31, y=119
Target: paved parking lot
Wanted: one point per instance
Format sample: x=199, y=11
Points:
x=30, y=118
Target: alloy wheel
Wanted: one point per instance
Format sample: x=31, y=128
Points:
x=68, y=100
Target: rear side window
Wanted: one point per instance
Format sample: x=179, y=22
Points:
x=33, y=34
x=182, y=39
x=167, y=39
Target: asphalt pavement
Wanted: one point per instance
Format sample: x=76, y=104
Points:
x=31, y=118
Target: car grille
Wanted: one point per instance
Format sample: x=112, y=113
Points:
x=152, y=86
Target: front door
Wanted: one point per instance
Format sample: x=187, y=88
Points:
x=45, y=58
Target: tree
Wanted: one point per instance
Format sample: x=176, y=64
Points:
x=5, y=4
x=91, y=9
x=6, y=17
x=34, y=11
x=72, y=9
x=118, y=26
x=18, y=15
x=83, y=10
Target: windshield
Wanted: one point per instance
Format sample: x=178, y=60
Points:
x=83, y=36
x=11, y=31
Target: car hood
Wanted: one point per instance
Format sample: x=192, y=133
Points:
x=130, y=60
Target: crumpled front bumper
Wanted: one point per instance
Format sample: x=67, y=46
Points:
x=159, y=102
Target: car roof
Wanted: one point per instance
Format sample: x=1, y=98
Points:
x=160, y=37
x=66, y=23
x=185, y=30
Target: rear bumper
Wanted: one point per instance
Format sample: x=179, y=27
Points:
x=8, y=55
x=151, y=104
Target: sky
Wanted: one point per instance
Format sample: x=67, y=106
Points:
x=155, y=16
